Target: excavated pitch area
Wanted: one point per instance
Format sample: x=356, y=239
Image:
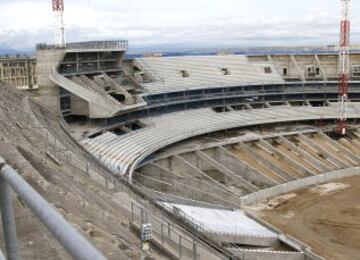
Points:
x=326, y=217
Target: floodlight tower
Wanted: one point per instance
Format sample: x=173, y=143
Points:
x=344, y=67
x=58, y=9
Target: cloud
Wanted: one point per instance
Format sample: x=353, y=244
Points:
x=144, y=22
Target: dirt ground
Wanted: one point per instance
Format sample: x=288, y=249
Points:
x=326, y=217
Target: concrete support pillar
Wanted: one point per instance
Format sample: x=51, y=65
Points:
x=203, y=186
x=329, y=157
x=302, y=169
x=246, y=171
x=230, y=174
x=346, y=152
x=229, y=108
x=305, y=155
x=170, y=164
x=248, y=106
x=317, y=60
x=272, y=167
x=356, y=142
x=301, y=73
x=194, y=170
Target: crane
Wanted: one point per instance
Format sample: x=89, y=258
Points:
x=344, y=64
x=58, y=9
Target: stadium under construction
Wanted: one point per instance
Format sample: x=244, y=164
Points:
x=180, y=157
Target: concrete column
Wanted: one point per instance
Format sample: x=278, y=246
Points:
x=248, y=106
x=329, y=157
x=158, y=172
x=203, y=186
x=302, y=169
x=193, y=169
x=301, y=73
x=346, y=152
x=317, y=60
x=229, y=108
x=230, y=174
x=241, y=168
x=356, y=142
x=267, y=105
x=272, y=167
x=305, y=155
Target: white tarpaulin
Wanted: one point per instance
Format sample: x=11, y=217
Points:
x=223, y=221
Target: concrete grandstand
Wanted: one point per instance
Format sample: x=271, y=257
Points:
x=198, y=146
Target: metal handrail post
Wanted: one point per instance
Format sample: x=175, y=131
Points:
x=180, y=247
x=8, y=219
x=194, y=249
x=132, y=211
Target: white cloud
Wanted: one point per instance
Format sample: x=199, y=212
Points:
x=143, y=22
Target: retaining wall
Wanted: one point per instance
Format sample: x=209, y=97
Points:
x=269, y=255
x=298, y=184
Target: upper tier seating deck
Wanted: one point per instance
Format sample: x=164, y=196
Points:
x=97, y=93
x=120, y=153
x=178, y=73
x=101, y=105
x=88, y=83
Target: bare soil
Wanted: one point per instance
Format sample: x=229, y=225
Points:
x=326, y=217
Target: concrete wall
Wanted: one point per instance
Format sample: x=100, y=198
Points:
x=270, y=255
x=298, y=184
x=247, y=239
x=79, y=106
x=47, y=61
x=329, y=63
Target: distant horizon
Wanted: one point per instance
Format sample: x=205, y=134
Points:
x=178, y=47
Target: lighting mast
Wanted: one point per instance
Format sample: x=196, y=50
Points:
x=58, y=9
x=344, y=67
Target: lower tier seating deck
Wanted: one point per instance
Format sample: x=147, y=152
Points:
x=178, y=73
x=123, y=153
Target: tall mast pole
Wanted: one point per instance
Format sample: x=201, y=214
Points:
x=58, y=9
x=344, y=67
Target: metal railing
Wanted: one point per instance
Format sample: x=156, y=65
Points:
x=120, y=45
x=182, y=245
x=202, y=228
x=75, y=244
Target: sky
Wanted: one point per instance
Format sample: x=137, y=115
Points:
x=208, y=23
